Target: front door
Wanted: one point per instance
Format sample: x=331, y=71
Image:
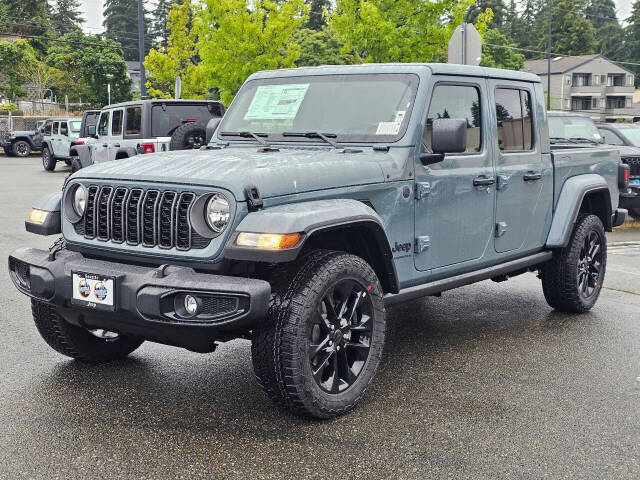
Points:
x=524, y=176
x=455, y=214
x=101, y=146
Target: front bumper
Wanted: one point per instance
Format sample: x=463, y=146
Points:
x=144, y=304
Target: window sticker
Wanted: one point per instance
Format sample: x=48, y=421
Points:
x=391, y=128
x=276, y=102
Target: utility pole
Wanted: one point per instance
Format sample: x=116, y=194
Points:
x=143, y=87
x=549, y=62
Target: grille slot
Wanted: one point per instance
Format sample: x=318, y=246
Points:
x=634, y=165
x=151, y=218
x=219, y=305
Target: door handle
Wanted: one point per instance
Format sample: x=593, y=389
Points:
x=483, y=181
x=117, y=145
x=532, y=176
x=105, y=145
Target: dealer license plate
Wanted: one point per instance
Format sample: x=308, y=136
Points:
x=93, y=291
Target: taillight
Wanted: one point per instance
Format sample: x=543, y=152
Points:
x=148, y=147
x=623, y=175
x=78, y=142
x=191, y=120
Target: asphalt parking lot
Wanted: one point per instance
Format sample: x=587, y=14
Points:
x=483, y=382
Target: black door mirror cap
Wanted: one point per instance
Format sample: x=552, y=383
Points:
x=449, y=135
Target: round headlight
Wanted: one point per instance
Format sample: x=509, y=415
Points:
x=218, y=213
x=79, y=200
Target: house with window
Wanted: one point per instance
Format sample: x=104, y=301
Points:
x=590, y=84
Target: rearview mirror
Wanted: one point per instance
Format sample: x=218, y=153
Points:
x=448, y=135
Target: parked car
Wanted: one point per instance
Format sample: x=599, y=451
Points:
x=145, y=126
x=626, y=137
x=58, y=135
x=325, y=195
x=21, y=143
x=571, y=129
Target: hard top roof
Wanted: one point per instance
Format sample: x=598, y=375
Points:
x=157, y=100
x=372, y=68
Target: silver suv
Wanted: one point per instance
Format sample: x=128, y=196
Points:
x=58, y=135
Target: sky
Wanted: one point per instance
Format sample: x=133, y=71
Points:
x=92, y=10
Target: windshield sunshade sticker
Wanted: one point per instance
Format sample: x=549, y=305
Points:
x=276, y=102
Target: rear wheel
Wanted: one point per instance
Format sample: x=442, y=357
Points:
x=573, y=279
x=189, y=136
x=21, y=148
x=75, y=164
x=94, y=346
x=635, y=212
x=323, y=337
x=48, y=162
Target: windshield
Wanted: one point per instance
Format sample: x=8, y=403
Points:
x=75, y=125
x=353, y=108
x=577, y=128
x=632, y=132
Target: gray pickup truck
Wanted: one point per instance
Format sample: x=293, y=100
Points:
x=325, y=195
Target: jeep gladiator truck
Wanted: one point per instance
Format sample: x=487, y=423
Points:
x=325, y=195
x=127, y=129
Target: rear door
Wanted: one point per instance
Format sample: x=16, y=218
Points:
x=115, y=136
x=524, y=179
x=56, y=139
x=101, y=146
x=132, y=134
x=455, y=198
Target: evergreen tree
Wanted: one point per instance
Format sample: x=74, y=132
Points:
x=497, y=51
x=30, y=18
x=121, y=24
x=66, y=16
x=571, y=32
x=525, y=27
x=497, y=6
x=609, y=33
x=632, y=40
x=316, y=14
x=160, y=23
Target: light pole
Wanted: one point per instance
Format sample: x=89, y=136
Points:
x=549, y=62
x=143, y=87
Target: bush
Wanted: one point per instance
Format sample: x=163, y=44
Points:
x=8, y=107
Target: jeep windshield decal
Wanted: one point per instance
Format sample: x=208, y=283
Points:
x=355, y=108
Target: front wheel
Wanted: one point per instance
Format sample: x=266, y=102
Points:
x=635, y=212
x=573, y=279
x=48, y=161
x=21, y=148
x=96, y=346
x=323, y=336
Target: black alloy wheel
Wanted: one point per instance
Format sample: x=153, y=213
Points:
x=340, y=337
x=590, y=265
x=21, y=149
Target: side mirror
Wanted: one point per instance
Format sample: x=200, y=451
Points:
x=91, y=130
x=448, y=135
x=211, y=128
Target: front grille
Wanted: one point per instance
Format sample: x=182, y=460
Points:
x=140, y=217
x=634, y=165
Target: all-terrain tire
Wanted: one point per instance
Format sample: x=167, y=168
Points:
x=76, y=342
x=635, y=212
x=75, y=164
x=561, y=275
x=280, y=348
x=48, y=160
x=189, y=136
x=21, y=148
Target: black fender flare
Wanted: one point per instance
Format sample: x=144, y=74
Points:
x=83, y=153
x=47, y=144
x=126, y=152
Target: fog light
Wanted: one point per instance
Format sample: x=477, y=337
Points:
x=191, y=304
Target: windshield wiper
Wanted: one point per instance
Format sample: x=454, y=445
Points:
x=323, y=136
x=248, y=135
x=583, y=139
x=561, y=140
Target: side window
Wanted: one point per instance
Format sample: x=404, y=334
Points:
x=116, y=123
x=54, y=129
x=103, y=124
x=133, y=121
x=47, y=128
x=456, y=101
x=513, y=115
x=610, y=137
x=63, y=128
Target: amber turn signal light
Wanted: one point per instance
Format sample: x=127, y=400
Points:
x=37, y=216
x=268, y=241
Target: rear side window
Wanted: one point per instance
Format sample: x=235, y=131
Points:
x=103, y=125
x=165, y=118
x=513, y=115
x=460, y=102
x=116, y=123
x=134, y=121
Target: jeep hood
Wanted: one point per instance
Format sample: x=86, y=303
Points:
x=288, y=171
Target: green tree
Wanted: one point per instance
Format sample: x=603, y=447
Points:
x=13, y=55
x=497, y=7
x=235, y=41
x=609, y=33
x=526, y=24
x=66, y=16
x=180, y=58
x=320, y=48
x=398, y=31
x=30, y=18
x=159, y=30
x=497, y=51
x=571, y=32
x=90, y=63
x=121, y=24
x=632, y=40
x=317, y=20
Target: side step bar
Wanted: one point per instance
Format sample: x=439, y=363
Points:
x=433, y=288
